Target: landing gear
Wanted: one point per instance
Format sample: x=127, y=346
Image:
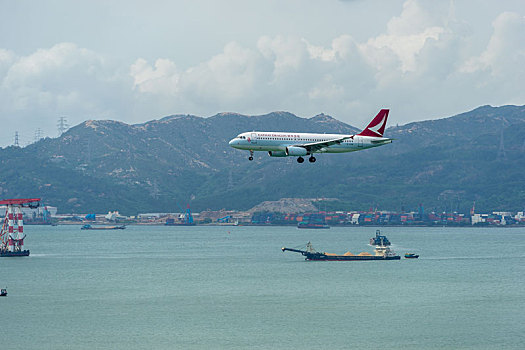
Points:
x=300, y=160
x=251, y=155
x=312, y=159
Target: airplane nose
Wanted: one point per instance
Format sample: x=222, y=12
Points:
x=232, y=142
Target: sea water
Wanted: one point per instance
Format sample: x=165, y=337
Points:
x=222, y=287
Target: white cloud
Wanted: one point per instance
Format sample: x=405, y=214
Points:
x=161, y=79
x=416, y=18
x=422, y=63
x=229, y=75
x=326, y=89
x=63, y=80
x=287, y=53
x=6, y=60
x=342, y=48
x=405, y=38
x=506, y=49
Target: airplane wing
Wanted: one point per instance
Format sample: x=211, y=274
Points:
x=315, y=146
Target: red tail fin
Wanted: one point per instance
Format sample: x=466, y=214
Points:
x=377, y=125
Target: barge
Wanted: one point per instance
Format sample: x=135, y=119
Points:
x=7, y=253
x=381, y=253
x=312, y=225
x=89, y=227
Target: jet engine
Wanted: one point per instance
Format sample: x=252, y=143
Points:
x=296, y=151
x=277, y=154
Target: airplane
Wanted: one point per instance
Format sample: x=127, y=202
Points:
x=293, y=144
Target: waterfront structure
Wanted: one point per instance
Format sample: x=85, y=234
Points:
x=12, y=232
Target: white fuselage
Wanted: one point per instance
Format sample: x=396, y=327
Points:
x=280, y=141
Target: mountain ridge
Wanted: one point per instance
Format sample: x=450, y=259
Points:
x=165, y=163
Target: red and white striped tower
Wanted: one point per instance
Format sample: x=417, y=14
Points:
x=12, y=232
x=19, y=222
x=11, y=227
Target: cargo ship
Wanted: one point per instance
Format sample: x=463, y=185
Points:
x=312, y=225
x=172, y=222
x=89, y=227
x=382, y=252
x=314, y=221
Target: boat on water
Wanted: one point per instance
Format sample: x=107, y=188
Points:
x=3, y=292
x=382, y=252
x=379, y=239
x=8, y=253
x=312, y=225
x=13, y=247
x=171, y=222
x=314, y=221
x=411, y=256
x=89, y=227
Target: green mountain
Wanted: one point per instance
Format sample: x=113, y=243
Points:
x=162, y=165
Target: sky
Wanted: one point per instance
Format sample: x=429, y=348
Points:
x=135, y=61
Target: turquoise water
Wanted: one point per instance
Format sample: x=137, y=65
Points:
x=233, y=288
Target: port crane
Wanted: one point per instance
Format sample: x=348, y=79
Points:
x=12, y=232
x=225, y=219
x=185, y=218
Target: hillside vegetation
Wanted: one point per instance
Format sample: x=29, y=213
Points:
x=162, y=165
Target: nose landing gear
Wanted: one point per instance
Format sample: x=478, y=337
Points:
x=251, y=155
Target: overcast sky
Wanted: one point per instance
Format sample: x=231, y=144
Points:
x=136, y=61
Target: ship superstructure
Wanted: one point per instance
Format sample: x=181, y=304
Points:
x=379, y=239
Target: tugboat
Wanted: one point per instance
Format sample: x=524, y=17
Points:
x=382, y=252
x=411, y=256
x=3, y=292
x=379, y=239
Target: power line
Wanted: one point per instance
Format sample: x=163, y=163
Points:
x=38, y=134
x=62, y=125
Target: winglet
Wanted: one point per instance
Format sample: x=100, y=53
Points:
x=377, y=126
